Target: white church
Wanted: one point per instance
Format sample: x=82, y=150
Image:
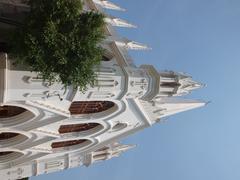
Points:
x=45, y=128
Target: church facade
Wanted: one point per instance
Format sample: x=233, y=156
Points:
x=46, y=128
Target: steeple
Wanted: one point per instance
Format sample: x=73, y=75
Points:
x=108, y=5
x=163, y=107
x=169, y=83
x=187, y=85
x=170, y=106
x=114, y=21
x=176, y=84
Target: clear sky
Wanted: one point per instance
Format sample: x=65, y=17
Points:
x=202, y=38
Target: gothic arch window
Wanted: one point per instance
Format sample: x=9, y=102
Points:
x=11, y=138
x=78, y=127
x=11, y=115
x=90, y=107
x=10, y=111
x=5, y=153
x=7, y=156
x=63, y=144
x=7, y=135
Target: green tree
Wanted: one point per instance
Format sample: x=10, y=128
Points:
x=60, y=41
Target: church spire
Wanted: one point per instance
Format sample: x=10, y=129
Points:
x=108, y=5
x=179, y=83
x=118, y=22
x=172, y=106
x=188, y=85
x=164, y=107
x=169, y=83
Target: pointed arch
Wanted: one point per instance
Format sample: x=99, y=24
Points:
x=8, y=139
x=7, y=135
x=7, y=156
x=10, y=111
x=5, y=153
x=15, y=114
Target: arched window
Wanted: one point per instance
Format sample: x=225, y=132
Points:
x=8, y=139
x=7, y=156
x=77, y=127
x=6, y=153
x=10, y=111
x=68, y=143
x=89, y=107
x=7, y=135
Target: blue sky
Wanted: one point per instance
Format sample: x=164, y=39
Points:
x=200, y=37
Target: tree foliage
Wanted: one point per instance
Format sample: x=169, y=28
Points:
x=60, y=41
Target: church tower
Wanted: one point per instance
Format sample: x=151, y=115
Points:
x=46, y=128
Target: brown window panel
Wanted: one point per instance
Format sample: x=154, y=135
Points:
x=6, y=153
x=89, y=107
x=67, y=143
x=10, y=111
x=7, y=135
x=77, y=127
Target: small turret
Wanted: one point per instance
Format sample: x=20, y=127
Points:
x=169, y=83
x=126, y=43
x=176, y=84
x=108, y=5
x=162, y=107
x=114, y=21
x=110, y=151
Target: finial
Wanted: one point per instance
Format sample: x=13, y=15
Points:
x=137, y=46
x=108, y=5
x=119, y=22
